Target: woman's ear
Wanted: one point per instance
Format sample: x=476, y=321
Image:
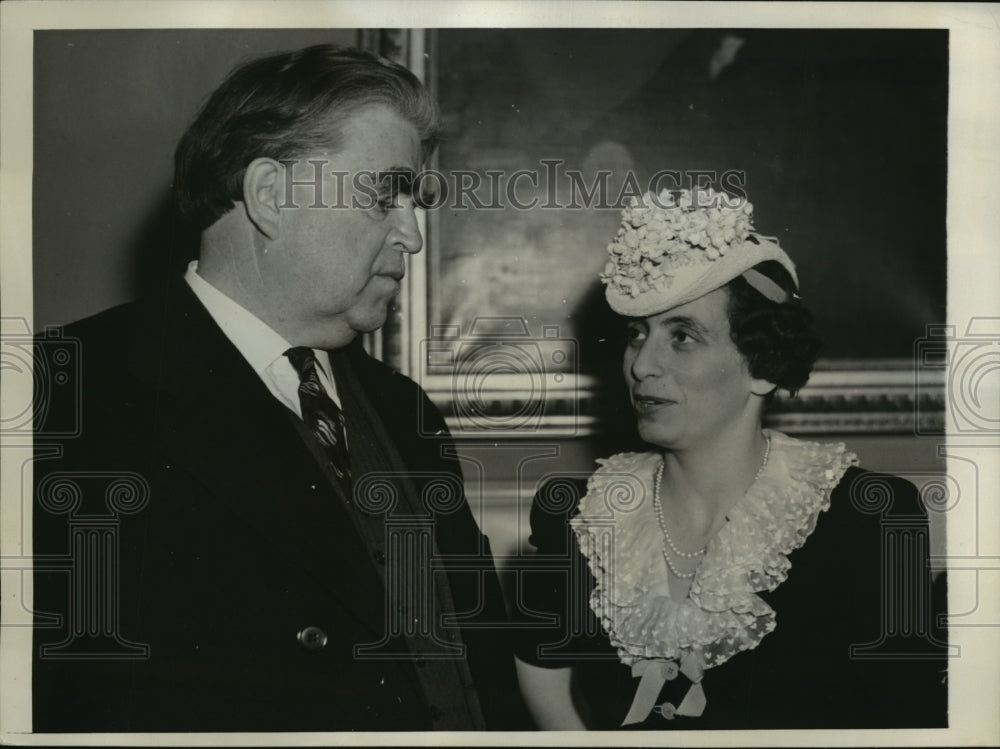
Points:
x=762, y=387
x=262, y=185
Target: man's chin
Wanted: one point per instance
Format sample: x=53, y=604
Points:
x=371, y=318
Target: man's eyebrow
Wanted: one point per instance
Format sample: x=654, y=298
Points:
x=398, y=178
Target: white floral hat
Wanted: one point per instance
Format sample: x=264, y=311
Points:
x=675, y=247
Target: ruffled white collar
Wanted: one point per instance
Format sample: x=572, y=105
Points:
x=618, y=533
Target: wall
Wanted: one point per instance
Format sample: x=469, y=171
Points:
x=110, y=107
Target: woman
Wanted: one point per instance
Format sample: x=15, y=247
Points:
x=730, y=576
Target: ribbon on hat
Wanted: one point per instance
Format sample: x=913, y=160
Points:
x=765, y=286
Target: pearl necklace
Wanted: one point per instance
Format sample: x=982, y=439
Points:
x=658, y=507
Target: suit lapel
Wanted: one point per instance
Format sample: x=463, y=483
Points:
x=220, y=422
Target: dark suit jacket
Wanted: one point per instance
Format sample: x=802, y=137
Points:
x=197, y=571
x=859, y=579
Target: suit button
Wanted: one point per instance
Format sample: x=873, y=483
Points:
x=380, y=557
x=312, y=638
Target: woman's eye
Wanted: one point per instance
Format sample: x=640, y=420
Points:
x=635, y=334
x=682, y=337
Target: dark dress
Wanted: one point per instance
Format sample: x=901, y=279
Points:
x=802, y=674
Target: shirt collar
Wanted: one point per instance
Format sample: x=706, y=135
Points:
x=259, y=344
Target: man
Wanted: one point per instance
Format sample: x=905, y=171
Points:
x=253, y=511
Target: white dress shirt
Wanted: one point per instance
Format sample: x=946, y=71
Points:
x=260, y=345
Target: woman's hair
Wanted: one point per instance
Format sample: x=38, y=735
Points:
x=776, y=339
x=283, y=106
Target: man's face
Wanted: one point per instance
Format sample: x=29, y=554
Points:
x=336, y=267
x=688, y=381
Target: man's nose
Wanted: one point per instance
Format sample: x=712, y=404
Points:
x=406, y=235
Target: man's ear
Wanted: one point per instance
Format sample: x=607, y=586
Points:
x=262, y=195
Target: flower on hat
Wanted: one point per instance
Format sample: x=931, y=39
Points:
x=669, y=230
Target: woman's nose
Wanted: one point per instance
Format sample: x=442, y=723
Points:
x=647, y=362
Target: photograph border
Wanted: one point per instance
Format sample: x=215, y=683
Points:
x=974, y=227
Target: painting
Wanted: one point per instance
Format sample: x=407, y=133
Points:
x=837, y=137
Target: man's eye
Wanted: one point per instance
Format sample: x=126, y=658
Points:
x=428, y=196
x=394, y=201
x=387, y=202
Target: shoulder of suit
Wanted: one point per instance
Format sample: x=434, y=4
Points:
x=99, y=344
x=373, y=370
x=112, y=321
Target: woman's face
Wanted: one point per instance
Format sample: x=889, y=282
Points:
x=688, y=381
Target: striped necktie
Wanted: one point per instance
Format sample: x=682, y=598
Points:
x=323, y=417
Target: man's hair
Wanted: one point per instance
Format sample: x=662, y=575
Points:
x=282, y=107
x=776, y=339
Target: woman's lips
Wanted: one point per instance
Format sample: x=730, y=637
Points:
x=647, y=403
